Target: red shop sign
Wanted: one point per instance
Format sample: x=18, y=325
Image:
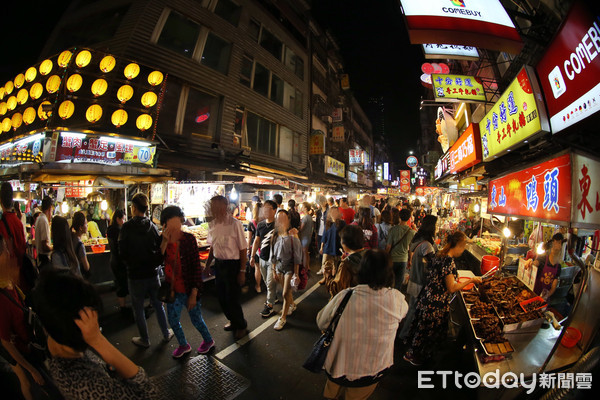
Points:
x=542, y=191
x=466, y=152
x=570, y=70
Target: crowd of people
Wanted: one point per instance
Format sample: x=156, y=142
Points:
x=380, y=254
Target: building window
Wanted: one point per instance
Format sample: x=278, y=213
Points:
x=168, y=111
x=294, y=63
x=201, y=113
x=216, y=53
x=261, y=79
x=262, y=134
x=270, y=43
x=254, y=29
x=229, y=11
x=277, y=89
x=246, y=72
x=179, y=34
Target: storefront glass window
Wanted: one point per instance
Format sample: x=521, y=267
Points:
x=179, y=34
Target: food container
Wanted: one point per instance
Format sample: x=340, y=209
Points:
x=489, y=262
x=203, y=255
x=465, y=279
x=493, y=349
x=571, y=337
x=98, y=248
x=537, y=298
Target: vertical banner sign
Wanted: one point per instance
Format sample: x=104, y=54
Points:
x=317, y=142
x=345, y=82
x=518, y=116
x=338, y=133
x=355, y=157
x=466, y=152
x=586, y=192
x=405, y=181
x=337, y=115
x=570, y=70
x=542, y=191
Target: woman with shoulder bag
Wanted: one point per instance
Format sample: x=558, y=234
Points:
x=79, y=227
x=362, y=349
x=183, y=273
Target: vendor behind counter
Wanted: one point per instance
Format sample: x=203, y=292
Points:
x=548, y=265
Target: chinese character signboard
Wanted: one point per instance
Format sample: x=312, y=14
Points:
x=345, y=82
x=466, y=152
x=586, y=192
x=338, y=133
x=457, y=88
x=517, y=117
x=405, y=181
x=454, y=51
x=475, y=23
x=77, y=147
x=337, y=115
x=570, y=70
x=317, y=143
x=542, y=191
x=356, y=157
x=379, y=173
x=352, y=177
x=78, y=189
x=443, y=166
x=335, y=167
x=27, y=150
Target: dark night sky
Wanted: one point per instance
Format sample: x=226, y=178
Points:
x=380, y=60
x=372, y=36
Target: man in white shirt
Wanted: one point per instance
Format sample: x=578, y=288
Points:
x=228, y=249
x=42, y=233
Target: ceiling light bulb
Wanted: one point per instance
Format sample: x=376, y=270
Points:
x=104, y=205
x=540, y=249
x=476, y=208
x=64, y=207
x=507, y=232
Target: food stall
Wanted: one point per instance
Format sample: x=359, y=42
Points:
x=511, y=328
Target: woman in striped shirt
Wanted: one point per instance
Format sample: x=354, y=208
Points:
x=362, y=348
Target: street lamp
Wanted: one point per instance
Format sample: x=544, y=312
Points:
x=410, y=152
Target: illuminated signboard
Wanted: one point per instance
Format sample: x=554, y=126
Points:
x=27, y=150
x=542, y=191
x=356, y=157
x=337, y=115
x=379, y=173
x=338, y=133
x=405, y=181
x=586, y=192
x=443, y=166
x=517, y=117
x=457, y=88
x=335, y=167
x=466, y=152
x=454, y=51
x=570, y=70
x=467, y=22
x=352, y=177
x=81, y=148
x=317, y=143
x=386, y=171
x=412, y=161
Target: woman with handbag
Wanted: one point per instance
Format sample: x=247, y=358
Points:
x=183, y=276
x=361, y=351
x=286, y=257
x=63, y=253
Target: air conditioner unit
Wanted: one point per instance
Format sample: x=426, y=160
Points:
x=327, y=118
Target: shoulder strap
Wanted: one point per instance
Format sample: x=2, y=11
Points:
x=339, y=311
x=8, y=231
x=5, y=293
x=401, y=239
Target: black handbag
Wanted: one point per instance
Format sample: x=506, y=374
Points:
x=316, y=358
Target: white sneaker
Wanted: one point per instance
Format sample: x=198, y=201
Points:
x=291, y=309
x=320, y=272
x=279, y=324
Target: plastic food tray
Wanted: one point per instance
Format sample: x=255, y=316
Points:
x=537, y=298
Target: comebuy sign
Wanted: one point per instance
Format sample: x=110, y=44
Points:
x=466, y=152
x=517, y=117
x=570, y=69
x=478, y=23
x=542, y=191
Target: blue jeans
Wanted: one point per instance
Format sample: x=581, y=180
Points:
x=174, y=314
x=139, y=289
x=399, y=271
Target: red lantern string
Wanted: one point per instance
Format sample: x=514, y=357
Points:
x=159, y=105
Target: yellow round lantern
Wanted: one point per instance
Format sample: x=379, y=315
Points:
x=64, y=58
x=22, y=96
x=131, y=71
x=11, y=103
x=119, y=118
x=29, y=115
x=149, y=99
x=2, y=92
x=41, y=113
x=83, y=58
x=3, y=108
x=66, y=109
x=143, y=122
x=99, y=87
x=16, y=120
x=107, y=64
x=30, y=74
x=45, y=67
x=74, y=83
x=9, y=87
x=124, y=93
x=93, y=113
x=53, y=84
x=155, y=78
x=6, y=124
x=19, y=81
x=36, y=91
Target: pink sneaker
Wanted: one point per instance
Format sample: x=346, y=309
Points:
x=206, y=346
x=182, y=350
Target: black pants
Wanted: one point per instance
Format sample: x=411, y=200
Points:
x=229, y=291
